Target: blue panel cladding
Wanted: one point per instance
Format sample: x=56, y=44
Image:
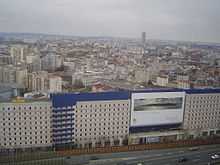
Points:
x=63, y=111
x=140, y=129
x=70, y=99
x=188, y=91
x=158, y=90
x=203, y=91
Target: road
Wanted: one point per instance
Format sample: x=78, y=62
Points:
x=149, y=157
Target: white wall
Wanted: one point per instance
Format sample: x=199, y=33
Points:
x=156, y=117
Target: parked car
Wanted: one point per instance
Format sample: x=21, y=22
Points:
x=182, y=159
x=140, y=163
x=193, y=148
x=94, y=158
x=215, y=156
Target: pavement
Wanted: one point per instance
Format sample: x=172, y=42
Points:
x=150, y=157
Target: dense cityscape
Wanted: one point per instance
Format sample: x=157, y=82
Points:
x=109, y=82
x=59, y=91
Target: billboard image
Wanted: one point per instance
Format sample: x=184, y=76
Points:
x=157, y=103
x=158, y=108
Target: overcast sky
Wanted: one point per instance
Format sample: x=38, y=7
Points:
x=197, y=20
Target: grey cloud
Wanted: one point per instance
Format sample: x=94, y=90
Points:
x=170, y=19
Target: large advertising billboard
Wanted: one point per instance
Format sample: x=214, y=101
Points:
x=157, y=108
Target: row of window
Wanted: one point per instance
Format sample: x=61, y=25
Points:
x=207, y=114
x=102, y=105
x=25, y=138
x=101, y=124
x=97, y=138
x=204, y=97
x=99, y=129
x=202, y=123
x=26, y=118
x=204, y=118
x=24, y=128
x=199, y=126
x=101, y=110
x=25, y=113
x=203, y=106
x=26, y=107
x=102, y=119
x=26, y=143
x=30, y=123
x=102, y=133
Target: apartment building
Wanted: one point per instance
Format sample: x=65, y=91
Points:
x=91, y=119
x=25, y=124
x=115, y=118
x=44, y=82
x=102, y=123
x=202, y=112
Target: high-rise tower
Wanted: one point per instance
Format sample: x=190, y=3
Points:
x=143, y=41
x=143, y=38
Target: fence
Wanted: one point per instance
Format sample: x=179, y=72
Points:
x=182, y=143
x=47, y=156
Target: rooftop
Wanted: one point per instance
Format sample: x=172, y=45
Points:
x=70, y=99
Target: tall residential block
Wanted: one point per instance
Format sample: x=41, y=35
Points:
x=91, y=119
x=202, y=112
x=25, y=124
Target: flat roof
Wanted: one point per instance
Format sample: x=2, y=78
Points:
x=202, y=91
x=152, y=90
x=70, y=99
x=188, y=91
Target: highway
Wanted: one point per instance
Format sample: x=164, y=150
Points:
x=149, y=157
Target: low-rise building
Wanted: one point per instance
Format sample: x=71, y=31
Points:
x=55, y=84
x=162, y=81
x=44, y=82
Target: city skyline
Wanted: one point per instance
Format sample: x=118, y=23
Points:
x=179, y=20
x=98, y=77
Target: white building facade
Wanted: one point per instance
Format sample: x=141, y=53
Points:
x=101, y=123
x=202, y=113
x=25, y=124
x=55, y=84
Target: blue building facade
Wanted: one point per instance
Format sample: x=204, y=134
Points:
x=64, y=106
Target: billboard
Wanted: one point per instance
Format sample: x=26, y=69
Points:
x=157, y=108
x=150, y=104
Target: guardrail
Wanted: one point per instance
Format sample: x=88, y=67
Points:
x=176, y=144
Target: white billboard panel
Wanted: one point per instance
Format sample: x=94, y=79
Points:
x=157, y=108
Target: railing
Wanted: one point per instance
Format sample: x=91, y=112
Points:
x=176, y=144
x=18, y=156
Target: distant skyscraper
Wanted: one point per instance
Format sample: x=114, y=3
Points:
x=143, y=38
x=143, y=41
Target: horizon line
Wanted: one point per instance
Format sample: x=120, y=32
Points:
x=97, y=36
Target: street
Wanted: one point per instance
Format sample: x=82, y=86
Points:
x=150, y=157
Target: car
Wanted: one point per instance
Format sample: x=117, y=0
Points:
x=193, y=148
x=182, y=159
x=210, y=163
x=94, y=158
x=140, y=163
x=215, y=156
